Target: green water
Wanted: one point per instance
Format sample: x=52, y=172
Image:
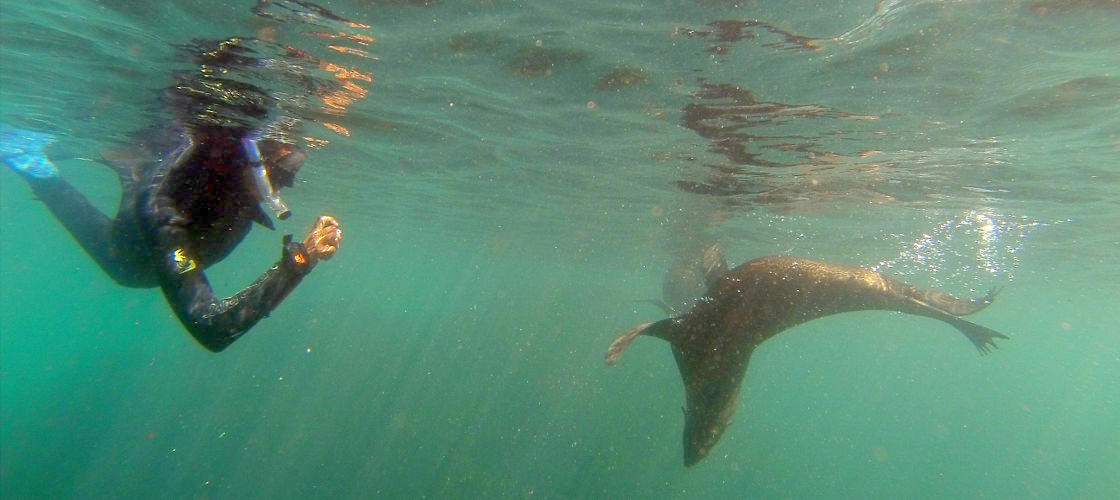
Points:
x=500, y=228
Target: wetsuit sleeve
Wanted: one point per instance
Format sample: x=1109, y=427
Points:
x=215, y=322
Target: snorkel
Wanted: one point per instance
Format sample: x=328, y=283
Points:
x=260, y=179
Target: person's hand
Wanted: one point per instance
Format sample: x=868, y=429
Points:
x=324, y=238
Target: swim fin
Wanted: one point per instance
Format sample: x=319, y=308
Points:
x=22, y=150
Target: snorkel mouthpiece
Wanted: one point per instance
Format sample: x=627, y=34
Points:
x=260, y=179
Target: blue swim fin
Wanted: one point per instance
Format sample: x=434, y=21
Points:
x=22, y=150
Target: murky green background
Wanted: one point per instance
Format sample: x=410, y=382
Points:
x=502, y=225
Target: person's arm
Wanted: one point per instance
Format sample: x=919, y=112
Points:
x=215, y=322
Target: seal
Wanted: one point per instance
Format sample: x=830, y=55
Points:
x=713, y=341
x=689, y=277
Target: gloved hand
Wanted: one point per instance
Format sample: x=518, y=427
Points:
x=323, y=240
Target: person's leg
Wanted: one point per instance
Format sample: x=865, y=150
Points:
x=22, y=151
x=85, y=222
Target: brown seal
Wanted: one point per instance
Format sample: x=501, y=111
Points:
x=689, y=278
x=713, y=341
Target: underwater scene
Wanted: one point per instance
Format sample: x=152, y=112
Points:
x=576, y=249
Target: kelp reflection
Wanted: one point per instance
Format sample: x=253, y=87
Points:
x=761, y=162
x=265, y=85
x=542, y=61
x=727, y=32
x=621, y=77
x=725, y=114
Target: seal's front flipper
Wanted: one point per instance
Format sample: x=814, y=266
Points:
x=661, y=329
x=660, y=304
x=623, y=341
x=715, y=264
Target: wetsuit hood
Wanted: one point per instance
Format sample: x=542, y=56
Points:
x=283, y=162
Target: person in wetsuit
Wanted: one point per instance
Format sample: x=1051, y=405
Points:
x=180, y=214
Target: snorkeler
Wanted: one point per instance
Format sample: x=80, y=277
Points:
x=181, y=213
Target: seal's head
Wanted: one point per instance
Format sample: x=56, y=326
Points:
x=704, y=425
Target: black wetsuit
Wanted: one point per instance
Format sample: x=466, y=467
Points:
x=175, y=220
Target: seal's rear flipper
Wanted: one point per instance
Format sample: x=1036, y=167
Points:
x=954, y=305
x=948, y=308
x=981, y=336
